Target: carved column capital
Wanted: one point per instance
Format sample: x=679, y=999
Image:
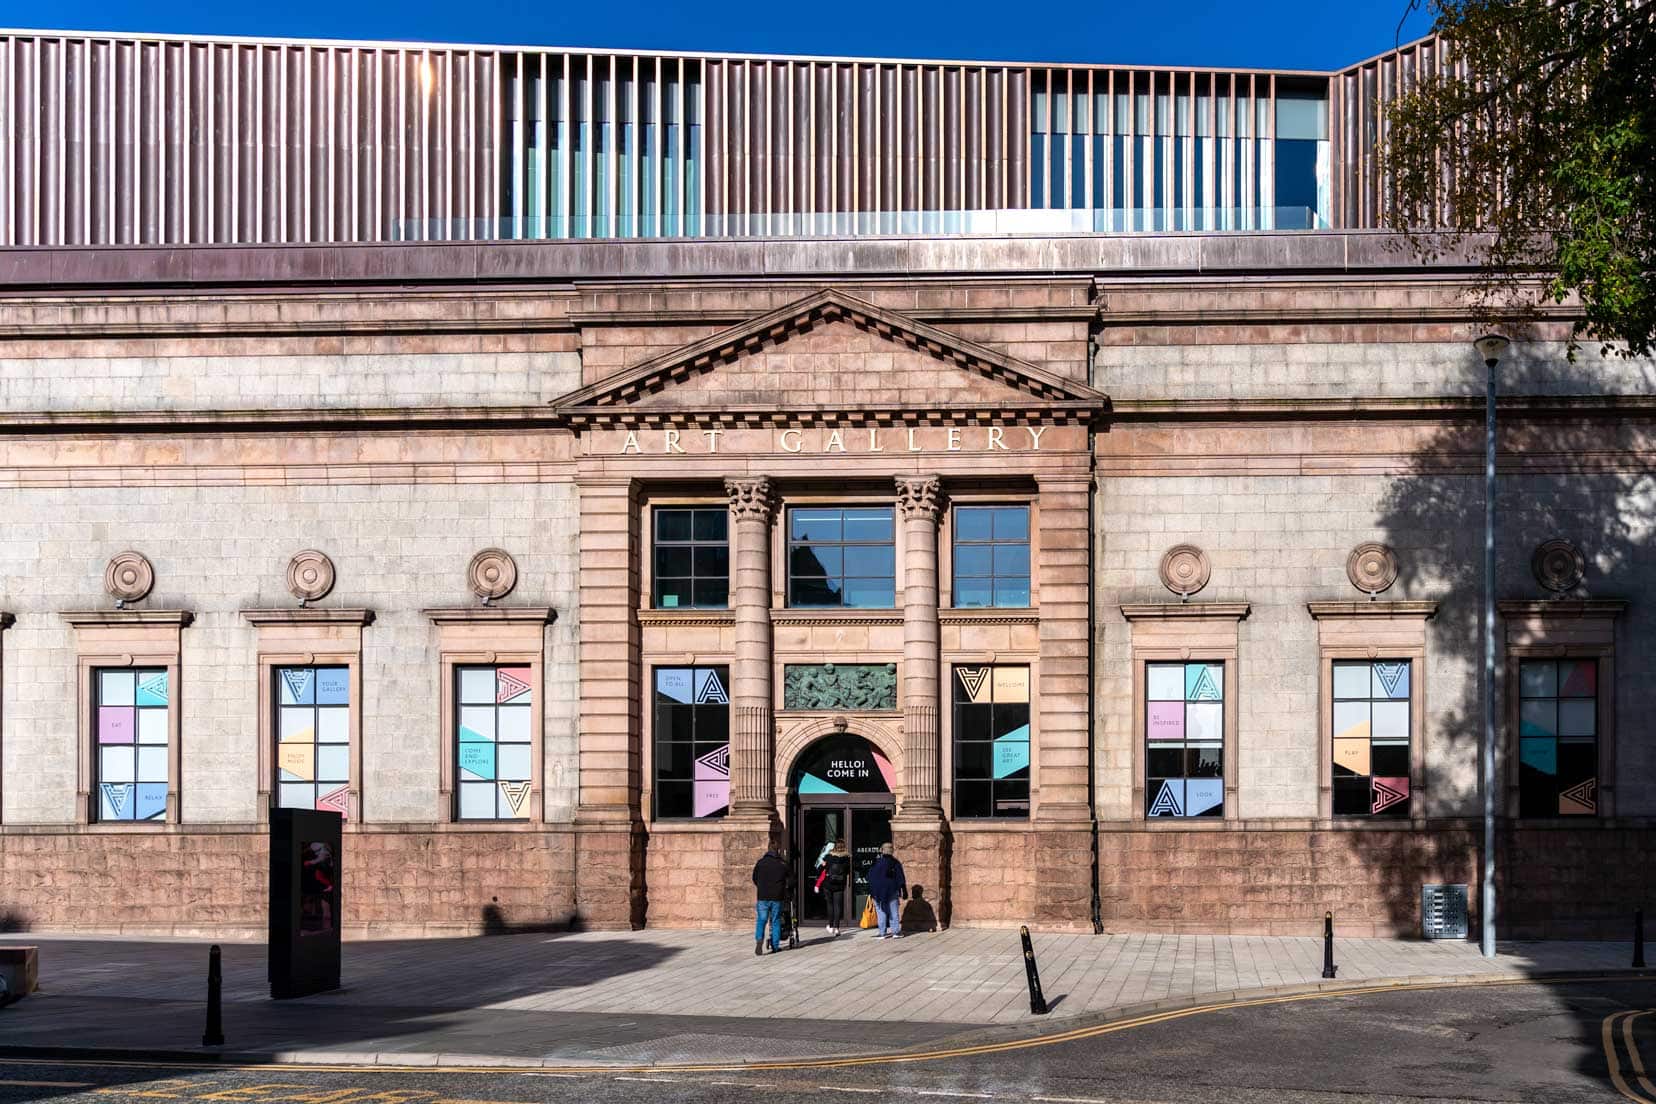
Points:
x=920, y=496
x=752, y=498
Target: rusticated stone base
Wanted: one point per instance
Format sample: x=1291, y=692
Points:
x=215, y=883
x=742, y=841
x=1063, y=877
x=1575, y=882
x=609, y=876
x=992, y=877
x=684, y=871
x=211, y=884
x=924, y=849
x=458, y=883
x=1278, y=882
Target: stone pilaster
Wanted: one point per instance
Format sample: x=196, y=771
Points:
x=609, y=835
x=919, y=501
x=1063, y=815
x=753, y=726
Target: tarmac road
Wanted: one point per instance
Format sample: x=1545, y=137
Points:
x=1548, y=1044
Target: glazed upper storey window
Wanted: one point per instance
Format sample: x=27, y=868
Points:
x=1558, y=737
x=133, y=728
x=991, y=556
x=496, y=737
x=842, y=556
x=991, y=741
x=1371, y=737
x=313, y=738
x=691, y=568
x=1184, y=729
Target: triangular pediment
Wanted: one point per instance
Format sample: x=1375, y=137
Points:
x=828, y=356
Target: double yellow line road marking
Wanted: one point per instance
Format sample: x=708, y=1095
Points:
x=1635, y=1061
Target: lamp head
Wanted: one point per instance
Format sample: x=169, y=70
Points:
x=1490, y=347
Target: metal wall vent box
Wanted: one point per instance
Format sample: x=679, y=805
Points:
x=1443, y=911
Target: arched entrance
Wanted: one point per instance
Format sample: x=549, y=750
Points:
x=840, y=787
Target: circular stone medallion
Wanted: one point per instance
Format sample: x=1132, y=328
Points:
x=129, y=576
x=1558, y=565
x=1185, y=569
x=1371, y=567
x=310, y=575
x=492, y=574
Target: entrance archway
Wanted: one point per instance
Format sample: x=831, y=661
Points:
x=840, y=787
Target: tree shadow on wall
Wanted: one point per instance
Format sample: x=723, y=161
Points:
x=1561, y=475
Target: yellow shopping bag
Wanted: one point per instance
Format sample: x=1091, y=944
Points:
x=869, y=916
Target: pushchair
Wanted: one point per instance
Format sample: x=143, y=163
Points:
x=790, y=925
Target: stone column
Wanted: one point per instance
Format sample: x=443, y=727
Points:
x=918, y=830
x=753, y=742
x=920, y=500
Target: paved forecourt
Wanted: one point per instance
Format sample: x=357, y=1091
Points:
x=679, y=996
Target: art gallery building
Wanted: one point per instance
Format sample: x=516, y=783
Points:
x=578, y=469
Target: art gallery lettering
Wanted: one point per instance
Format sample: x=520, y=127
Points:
x=869, y=440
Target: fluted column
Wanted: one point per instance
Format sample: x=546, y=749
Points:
x=753, y=742
x=920, y=501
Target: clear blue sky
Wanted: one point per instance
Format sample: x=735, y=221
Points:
x=1286, y=34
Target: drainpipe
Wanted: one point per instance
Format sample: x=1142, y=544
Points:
x=1092, y=682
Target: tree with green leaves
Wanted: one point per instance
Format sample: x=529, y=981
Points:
x=1534, y=148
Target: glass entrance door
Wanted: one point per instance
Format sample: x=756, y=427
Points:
x=864, y=828
x=819, y=826
x=869, y=831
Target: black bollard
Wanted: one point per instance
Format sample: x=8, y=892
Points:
x=214, y=1035
x=1328, y=945
x=1037, y=1003
x=1638, y=939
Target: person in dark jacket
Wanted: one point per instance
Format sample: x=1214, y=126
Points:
x=770, y=882
x=836, y=870
x=887, y=885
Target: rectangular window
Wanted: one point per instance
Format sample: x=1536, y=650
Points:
x=494, y=746
x=313, y=738
x=692, y=558
x=991, y=741
x=133, y=727
x=1558, y=737
x=991, y=556
x=1371, y=737
x=692, y=741
x=1184, y=733
x=842, y=557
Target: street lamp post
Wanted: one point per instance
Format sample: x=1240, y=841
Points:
x=1490, y=347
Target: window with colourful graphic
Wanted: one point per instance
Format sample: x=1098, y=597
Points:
x=691, y=566
x=991, y=556
x=133, y=730
x=991, y=742
x=1371, y=737
x=1558, y=737
x=1184, y=734
x=313, y=738
x=494, y=750
x=842, y=557
x=692, y=741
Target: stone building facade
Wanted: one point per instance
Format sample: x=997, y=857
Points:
x=1118, y=580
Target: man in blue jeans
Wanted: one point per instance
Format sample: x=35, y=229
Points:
x=887, y=885
x=770, y=881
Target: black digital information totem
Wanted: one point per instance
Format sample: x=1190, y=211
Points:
x=304, y=902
